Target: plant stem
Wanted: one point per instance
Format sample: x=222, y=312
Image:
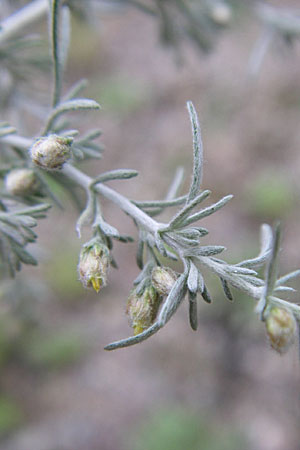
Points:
x=85, y=182
x=152, y=226
x=126, y=205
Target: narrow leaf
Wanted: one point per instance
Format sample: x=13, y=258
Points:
x=54, y=28
x=271, y=273
x=284, y=289
x=120, y=174
x=207, y=211
x=24, y=256
x=173, y=300
x=140, y=254
x=226, y=289
x=265, y=249
x=204, y=250
x=78, y=104
x=26, y=221
x=192, y=281
x=160, y=203
x=87, y=214
x=197, y=153
x=205, y=295
x=160, y=245
x=201, y=283
x=134, y=339
x=272, y=268
x=7, y=130
x=237, y=270
x=12, y=233
x=178, y=218
x=176, y=183
x=75, y=90
x=193, y=315
x=287, y=277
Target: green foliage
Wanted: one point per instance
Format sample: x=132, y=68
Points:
x=271, y=195
x=11, y=415
x=61, y=273
x=122, y=96
x=178, y=429
x=54, y=351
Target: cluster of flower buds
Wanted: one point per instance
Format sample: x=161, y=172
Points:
x=142, y=308
x=21, y=182
x=281, y=329
x=93, y=264
x=51, y=152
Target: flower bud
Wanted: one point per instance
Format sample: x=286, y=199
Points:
x=142, y=310
x=163, y=279
x=93, y=265
x=51, y=152
x=21, y=182
x=281, y=329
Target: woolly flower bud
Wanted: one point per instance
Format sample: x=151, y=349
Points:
x=21, y=182
x=163, y=279
x=281, y=329
x=142, y=310
x=51, y=152
x=93, y=265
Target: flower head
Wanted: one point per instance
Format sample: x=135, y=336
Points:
x=51, y=152
x=21, y=182
x=93, y=265
x=142, y=309
x=281, y=328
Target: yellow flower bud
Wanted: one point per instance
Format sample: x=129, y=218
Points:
x=93, y=265
x=281, y=328
x=142, y=310
x=51, y=152
x=163, y=279
x=21, y=182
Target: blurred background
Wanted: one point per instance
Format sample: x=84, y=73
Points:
x=221, y=387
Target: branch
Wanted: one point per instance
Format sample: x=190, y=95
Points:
x=85, y=182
